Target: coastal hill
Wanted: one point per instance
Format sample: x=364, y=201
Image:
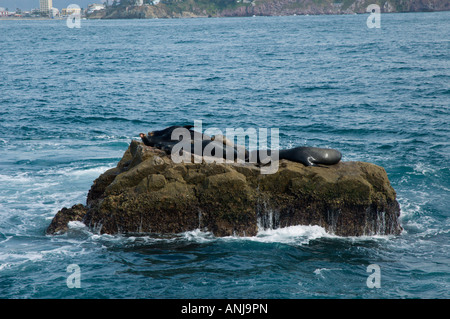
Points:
x=147, y=9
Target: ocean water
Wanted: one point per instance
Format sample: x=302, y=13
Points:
x=71, y=100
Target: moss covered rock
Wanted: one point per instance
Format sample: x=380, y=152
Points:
x=148, y=193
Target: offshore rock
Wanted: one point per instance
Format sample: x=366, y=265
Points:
x=148, y=193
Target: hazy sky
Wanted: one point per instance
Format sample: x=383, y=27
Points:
x=31, y=4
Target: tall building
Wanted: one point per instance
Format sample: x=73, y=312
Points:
x=45, y=7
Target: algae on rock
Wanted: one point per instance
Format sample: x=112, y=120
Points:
x=148, y=193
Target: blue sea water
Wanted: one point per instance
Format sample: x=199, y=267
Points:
x=72, y=99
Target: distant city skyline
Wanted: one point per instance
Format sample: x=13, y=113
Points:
x=32, y=4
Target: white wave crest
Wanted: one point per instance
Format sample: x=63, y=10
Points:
x=300, y=234
x=17, y=178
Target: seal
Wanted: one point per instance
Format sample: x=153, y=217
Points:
x=308, y=156
x=167, y=132
x=311, y=156
x=146, y=140
x=165, y=135
x=209, y=147
x=219, y=146
x=237, y=148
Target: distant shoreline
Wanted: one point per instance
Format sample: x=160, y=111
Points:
x=31, y=18
x=130, y=9
x=199, y=16
x=247, y=8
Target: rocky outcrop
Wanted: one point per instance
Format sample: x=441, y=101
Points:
x=246, y=8
x=60, y=222
x=148, y=193
x=143, y=12
x=300, y=7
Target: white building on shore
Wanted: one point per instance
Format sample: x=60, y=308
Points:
x=54, y=12
x=45, y=7
x=94, y=7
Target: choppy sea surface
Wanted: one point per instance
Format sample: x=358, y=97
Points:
x=72, y=99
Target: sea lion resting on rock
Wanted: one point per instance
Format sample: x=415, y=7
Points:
x=308, y=156
x=215, y=148
x=165, y=136
x=164, y=140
